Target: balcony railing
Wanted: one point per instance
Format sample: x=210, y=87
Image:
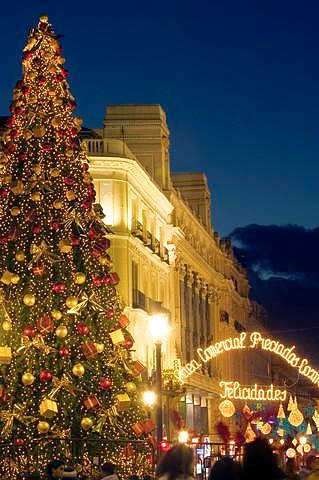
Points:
x=107, y=147
x=139, y=300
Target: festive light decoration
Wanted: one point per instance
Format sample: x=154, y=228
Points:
x=227, y=408
x=57, y=286
x=266, y=429
x=249, y=434
x=236, y=391
x=308, y=431
x=290, y=452
x=291, y=404
x=307, y=448
x=281, y=412
x=295, y=417
x=256, y=340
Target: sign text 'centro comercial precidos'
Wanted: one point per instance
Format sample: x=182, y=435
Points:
x=244, y=341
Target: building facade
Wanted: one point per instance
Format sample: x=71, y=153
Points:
x=170, y=262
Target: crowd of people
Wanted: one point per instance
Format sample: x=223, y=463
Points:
x=258, y=463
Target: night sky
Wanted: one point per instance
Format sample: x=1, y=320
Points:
x=239, y=82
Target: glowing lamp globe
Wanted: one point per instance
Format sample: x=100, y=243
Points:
x=227, y=408
x=303, y=440
x=291, y=453
x=295, y=417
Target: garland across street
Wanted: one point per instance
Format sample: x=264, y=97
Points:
x=254, y=340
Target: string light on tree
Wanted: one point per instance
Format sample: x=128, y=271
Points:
x=56, y=283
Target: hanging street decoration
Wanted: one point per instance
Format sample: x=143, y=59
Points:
x=255, y=341
x=234, y=390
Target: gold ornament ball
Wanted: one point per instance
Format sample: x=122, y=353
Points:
x=54, y=172
x=130, y=387
x=104, y=260
x=71, y=302
x=36, y=196
x=15, y=278
x=27, y=378
x=56, y=314
x=43, y=427
x=6, y=325
x=79, y=278
x=99, y=347
x=44, y=19
x=29, y=299
x=57, y=204
x=78, y=370
x=20, y=256
x=37, y=168
x=61, y=331
x=86, y=423
x=15, y=211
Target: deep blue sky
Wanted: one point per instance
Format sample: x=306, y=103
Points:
x=239, y=81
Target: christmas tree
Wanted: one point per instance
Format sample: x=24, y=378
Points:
x=66, y=366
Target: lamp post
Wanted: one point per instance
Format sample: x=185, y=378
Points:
x=159, y=329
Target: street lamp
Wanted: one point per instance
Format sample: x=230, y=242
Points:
x=149, y=398
x=159, y=329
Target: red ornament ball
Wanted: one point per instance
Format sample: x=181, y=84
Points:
x=36, y=228
x=87, y=203
x=82, y=328
x=69, y=180
x=4, y=192
x=19, y=442
x=75, y=241
x=105, y=383
x=128, y=342
x=64, y=352
x=55, y=224
x=58, y=287
x=109, y=313
x=22, y=157
x=85, y=167
x=45, y=376
x=29, y=331
x=97, y=281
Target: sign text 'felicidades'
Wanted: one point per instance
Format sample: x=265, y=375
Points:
x=256, y=341
x=234, y=391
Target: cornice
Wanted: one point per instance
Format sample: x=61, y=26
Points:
x=108, y=168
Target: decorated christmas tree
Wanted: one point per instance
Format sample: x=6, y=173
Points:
x=66, y=366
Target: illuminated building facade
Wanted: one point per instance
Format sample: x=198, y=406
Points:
x=170, y=260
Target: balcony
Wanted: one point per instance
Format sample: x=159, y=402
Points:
x=107, y=147
x=139, y=300
x=137, y=231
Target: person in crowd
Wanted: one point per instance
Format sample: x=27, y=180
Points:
x=225, y=469
x=55, y=470
x=314, y=472
x=177, y=463
x=109, y=471
x=305, y=471
x=259, y=462
x=291, y=469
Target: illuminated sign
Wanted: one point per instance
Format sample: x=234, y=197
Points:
x=234, y=391
x=256, y=341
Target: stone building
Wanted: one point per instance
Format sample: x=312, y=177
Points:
x=170, y=260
